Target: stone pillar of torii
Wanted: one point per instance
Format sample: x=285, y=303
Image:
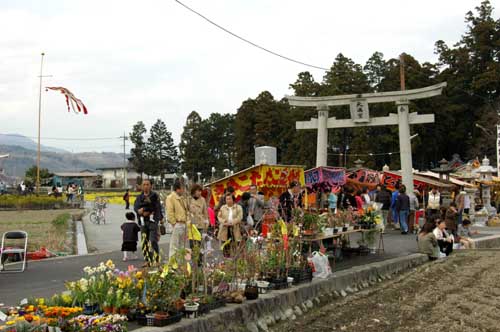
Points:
x=360, y=117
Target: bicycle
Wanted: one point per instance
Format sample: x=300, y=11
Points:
x=97, y=215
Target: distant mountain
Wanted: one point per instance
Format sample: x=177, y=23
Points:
x=21, y=159
x=25, y=142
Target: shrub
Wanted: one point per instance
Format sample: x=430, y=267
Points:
x=61, y=221
x=31, y=202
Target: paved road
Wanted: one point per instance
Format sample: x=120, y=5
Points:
x=108, y=237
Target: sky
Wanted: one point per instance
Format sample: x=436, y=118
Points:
x=144, y=60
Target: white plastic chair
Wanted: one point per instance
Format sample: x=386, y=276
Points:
x=13, y=235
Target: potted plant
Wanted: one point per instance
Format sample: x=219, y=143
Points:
x=309, y=223
x=251, y=291
x=191, y=308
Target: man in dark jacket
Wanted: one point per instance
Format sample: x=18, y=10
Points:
x=290, y=200
x=147, y=206
x=403, y=209
x=383, y=197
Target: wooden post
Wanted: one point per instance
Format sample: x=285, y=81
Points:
x=402, y=71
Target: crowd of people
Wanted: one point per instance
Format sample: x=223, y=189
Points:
x=228, y=220
x=231, y=220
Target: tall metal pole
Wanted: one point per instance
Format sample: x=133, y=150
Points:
x=39, y=125
x=125, y=184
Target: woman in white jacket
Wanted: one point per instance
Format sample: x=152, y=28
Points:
x=445, y=240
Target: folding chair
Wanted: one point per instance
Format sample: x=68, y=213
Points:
x=5, y=252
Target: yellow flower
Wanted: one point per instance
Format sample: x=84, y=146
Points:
x=110, y=264
x=10, y=322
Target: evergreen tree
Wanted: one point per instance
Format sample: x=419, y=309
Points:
x=30, y=175
x=138, y=152
x=375, y=70
x=218, y=136
x=471, y=68
x=191, y=147
x=345, y=76
x=305, y=85
x=161, y=152
x=244, y=134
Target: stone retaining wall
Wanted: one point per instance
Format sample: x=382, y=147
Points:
x=289, y=303
x=488, y=242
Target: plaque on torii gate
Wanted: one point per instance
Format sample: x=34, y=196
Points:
x=360, y=117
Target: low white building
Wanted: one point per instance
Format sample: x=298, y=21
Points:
x=112, y=177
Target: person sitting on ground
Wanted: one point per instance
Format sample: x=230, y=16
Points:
x=445, y=240
x=465, y=234
x=427, y=242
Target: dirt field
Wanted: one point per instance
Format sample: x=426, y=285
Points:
x=460, y=293
x=38, y=224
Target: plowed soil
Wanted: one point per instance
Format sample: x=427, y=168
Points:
x=459, y=293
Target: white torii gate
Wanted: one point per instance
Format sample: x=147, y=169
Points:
x=360, y=117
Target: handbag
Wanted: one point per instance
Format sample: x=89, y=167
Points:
x=250, y=221
x=163, y=230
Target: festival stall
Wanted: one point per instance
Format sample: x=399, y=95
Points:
x=323, y=180
x=420, y=183
x=359, y=178
x=272, y=180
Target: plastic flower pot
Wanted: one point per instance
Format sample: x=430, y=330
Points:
x=191, y=309
x=251, y=292
x=263, y=286
x=124, y=311
x=150, y=320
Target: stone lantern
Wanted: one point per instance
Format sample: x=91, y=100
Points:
x=358, y=164
x=443, y=170
x=486, y=176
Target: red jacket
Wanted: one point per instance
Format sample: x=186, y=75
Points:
x=359, y=202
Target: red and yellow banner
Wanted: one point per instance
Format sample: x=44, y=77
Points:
x=271, y=180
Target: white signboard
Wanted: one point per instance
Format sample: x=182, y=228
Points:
x=359, y=110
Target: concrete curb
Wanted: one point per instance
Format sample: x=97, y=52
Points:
x=488, y=242
x=289, y=303
x=81, y=242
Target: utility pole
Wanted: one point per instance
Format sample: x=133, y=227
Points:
x=402, y=71
x=125, y=138
x=39, y=116
x=39, y=125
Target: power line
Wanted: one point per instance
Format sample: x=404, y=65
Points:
x=248, y=41
x=66, y=138
x=364, y=154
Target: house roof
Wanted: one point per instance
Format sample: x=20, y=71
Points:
x=432, y=182
x=76, y=174
x=114, y=167
x=247, y=169
x=452, y=179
